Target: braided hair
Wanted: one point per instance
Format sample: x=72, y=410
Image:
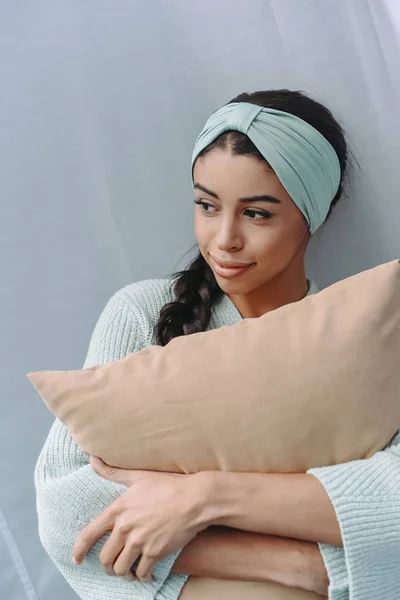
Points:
x=195, y=288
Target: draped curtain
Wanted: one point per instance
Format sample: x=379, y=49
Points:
x=100, y=104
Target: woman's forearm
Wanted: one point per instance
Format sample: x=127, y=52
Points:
x=224, y=553
x=289, y=505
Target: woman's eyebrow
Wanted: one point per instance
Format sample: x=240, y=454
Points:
x=198, y=186
x=263, y=198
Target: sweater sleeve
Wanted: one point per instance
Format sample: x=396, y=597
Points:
x=366, y=497
x=69, y=493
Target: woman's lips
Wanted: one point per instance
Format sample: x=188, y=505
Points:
x=229, y=272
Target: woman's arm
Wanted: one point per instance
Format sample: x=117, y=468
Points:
x=163, y=512
x=69, y=493
x=224, y=553
x=292, y=506
x=352, y=510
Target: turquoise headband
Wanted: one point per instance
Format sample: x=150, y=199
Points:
x=302, y=158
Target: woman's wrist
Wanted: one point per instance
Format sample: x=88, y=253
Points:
x=295, y=563
x=221, y=497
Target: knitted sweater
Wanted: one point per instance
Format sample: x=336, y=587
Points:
x=365, y=494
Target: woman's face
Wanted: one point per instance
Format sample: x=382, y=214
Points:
x=248, y=229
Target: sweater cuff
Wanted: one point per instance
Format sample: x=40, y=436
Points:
x=365, y=495
x=334, y=557
x=335, y=564
x=172, y=582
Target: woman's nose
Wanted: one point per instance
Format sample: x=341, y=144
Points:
x=228, y=236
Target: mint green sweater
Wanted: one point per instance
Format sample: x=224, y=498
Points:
x=365, y=494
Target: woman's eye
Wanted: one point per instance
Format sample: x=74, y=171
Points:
x=206, y=206
x=257, y=215
x=252, y=213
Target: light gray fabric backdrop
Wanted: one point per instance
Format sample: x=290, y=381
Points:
x=100, y=105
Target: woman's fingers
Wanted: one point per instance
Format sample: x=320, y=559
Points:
x=110, y=552
x=107, y=472
x=126, y=476
x=125, y=560
x=90, y=534
x=145, y=567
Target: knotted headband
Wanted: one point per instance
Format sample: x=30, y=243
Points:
x=302, y=158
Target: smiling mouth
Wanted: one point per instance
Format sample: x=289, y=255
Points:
x=229, y=272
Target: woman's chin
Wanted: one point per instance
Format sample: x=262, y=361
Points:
x=232, y=286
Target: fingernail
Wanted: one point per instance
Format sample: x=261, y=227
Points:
x=76, y=563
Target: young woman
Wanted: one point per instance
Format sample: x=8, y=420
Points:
x=267, y=169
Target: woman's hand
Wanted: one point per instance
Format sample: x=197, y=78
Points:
x=159, y=514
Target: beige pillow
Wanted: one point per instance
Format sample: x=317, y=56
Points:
x=313, y=383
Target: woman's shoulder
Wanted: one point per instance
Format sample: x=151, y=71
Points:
x=144, y=301
x=149, y=295
x=128, y=321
